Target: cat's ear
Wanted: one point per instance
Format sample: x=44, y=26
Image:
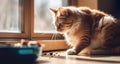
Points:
x=60, y=9
x=65, y=12
x=53, y=10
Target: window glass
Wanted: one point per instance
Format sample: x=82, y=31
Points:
x=10, y=13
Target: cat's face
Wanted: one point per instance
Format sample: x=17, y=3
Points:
x=63, y=20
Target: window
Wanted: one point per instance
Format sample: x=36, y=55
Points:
x=9, y=16
x=28, y=19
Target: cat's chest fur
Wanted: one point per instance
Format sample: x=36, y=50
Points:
x=71, y=39
x=74, y=34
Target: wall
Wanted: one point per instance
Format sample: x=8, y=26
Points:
x=88, y=3
x=109, y=6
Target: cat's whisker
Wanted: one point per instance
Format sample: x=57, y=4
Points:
x=52, y=37
x=55, y=36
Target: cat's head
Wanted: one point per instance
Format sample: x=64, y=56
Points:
x=64, y=18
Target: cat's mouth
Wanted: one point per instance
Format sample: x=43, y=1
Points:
x=60, y=30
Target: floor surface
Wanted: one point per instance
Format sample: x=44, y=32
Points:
x=62, y=58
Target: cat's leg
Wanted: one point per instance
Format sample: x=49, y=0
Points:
x=83, y=45
x=77, y=49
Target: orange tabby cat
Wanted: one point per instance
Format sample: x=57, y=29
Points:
x=87, y=29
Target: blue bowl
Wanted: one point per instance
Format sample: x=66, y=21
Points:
x=19, y=54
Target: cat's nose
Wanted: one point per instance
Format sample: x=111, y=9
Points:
x=59, y=29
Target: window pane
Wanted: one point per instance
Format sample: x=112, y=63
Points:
x=42, y=15
x=9, y=16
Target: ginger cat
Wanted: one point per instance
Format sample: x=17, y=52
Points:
x=87, y=29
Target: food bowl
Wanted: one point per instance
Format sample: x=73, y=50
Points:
x=19, y=54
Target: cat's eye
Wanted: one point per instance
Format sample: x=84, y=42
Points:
x=66, y=23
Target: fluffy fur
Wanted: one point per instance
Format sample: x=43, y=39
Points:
x=87, y=29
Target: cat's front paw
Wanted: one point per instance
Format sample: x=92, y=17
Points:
x=85, y=52
x=71, y=52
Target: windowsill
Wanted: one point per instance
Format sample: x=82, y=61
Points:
x=49, y=44
x=54, y=45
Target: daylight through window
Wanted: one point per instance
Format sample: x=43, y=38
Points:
x=9, y=16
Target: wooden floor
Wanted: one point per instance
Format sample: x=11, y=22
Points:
x=74, y=59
